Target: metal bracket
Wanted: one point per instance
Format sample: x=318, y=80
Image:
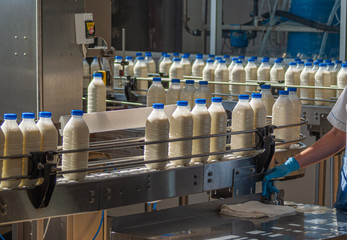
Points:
x=265, y=141
x=128, y=88
x=244, y=181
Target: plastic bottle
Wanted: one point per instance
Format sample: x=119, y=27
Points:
x=268, y=98
x=97, y=94
x=292, y=76
x=176, y=55
x=117, y=67
x=227, y=60
x=300, y=66
x=161, y=58
x=263, y=73
x=2, y=146
x=242, y=59
x=255, y=60
x=309, y=60
x=188, y=93
x=129, y=69
x=203, y=92
x=241, y=120
x=75, y=136
x=277, y=72
x=150, y=63
x=297, y=112
x=176, y=69
x=338, y=65
x=232, y=64
x=322, y=79
x=156, y=93
x=259, y=110
x=219, y=120
x=157, y=129
x=216, y=61
x=211, y=57
x=198, y=66
x=174, y=92
x=86, y=76
x=251, y=74
x=238, y=75
x=283, y=114
x=341, y=79
x=315, y=66
x=165, y=65
x=141, y=70
x=31, y=143
x=13, y=146
x=221, y=74
x=201, y=127
x=187, y=66
x=138, y=54
x=327, y=61
x=320, y=60
x=307, y=79
x=208, y=73
x=94, y=67
x=181, y=126
x=297, y=59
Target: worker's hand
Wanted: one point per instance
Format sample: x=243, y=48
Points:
x=268, y=188
x=283, y=170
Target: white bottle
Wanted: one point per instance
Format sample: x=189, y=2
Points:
x=203, y=92
x=333, y=77
x=277, y=72
x=181, y=126
x=201, y=127
x=94, y=67
x=165, y=65
x=255, y=60
x=187, y=66
x=198, y=66
x=242, y=59
x=251, y=74
x=264, y=69
x=307, y=79
x=137, y=55
x=129, y=68
x=322, y=79
x=175, y=55
x=208, y=73
x=211, y=57
x=188, y=92
x=13, y=146
x=283, y=114
x=267, y=98
x=161, y=58
x=157, y=129
x=221, y=74
x=156, y=93
x=259, y=110
x=297, y=112
x=86, y=76
x=241, y=120
x=219, y=120
x=49, y=133
x=31, y=143
x=2, y=147
x=315, y=66
x=341, y=79
x=97, y=94
x=292, y=76
x=150, y=63
x=227, y=60
x=174, y=93
x=216, y=61
x=232, y=64
x=117, y=69
x=141, y=70
x=176, y=69
x=75, y=136
x=238, y=75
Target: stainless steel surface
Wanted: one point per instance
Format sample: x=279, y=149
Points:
x=216, y=26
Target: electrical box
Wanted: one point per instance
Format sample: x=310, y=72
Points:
x=85, y=28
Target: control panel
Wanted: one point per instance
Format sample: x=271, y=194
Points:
x=85, y=28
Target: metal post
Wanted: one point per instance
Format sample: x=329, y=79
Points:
x=216, y=26
x=183, y=200
x=343, y=31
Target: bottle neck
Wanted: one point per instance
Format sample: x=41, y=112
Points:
x=45, y=119
x=76, y=117
x=28, y=120
x=10, y=122
x=217, y=104
x=243, y=100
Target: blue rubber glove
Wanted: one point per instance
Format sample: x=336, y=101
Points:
x=268, y=188
x=283, y=170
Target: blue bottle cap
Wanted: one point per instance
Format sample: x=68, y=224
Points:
x=254, y=57
x=308, y=64
x=189, y=81
x=182, y=103
x=28, y=115
x=138, y=54
x=158, y=105
x=118, y=57
x=76, y=112
x=309, y=60
x=251, y=59
x=210, y=60
x=316, y=63
x=200, y=101
x=283, y=92
x=226, y=56
x=97, y=74
x=175, y=54
x=279, y=58
x=45, y=114
x=156, y=79
x=265, y=86
x=148, y=54
x=331, y=64
x=243, y=97
x=185, y=56
x=140, y=58
x=344, y=65
x=256, y=95
x=174, y=80
x=217, y=99
x=10, y=116
x=198, y=56
x=327, y=61
x=218, y=58
x=211, y=55
x=292, y=64
x=176, y=60
x=128, y=57
x=292, y=89
x=297, y=59
x=265, y=60
x=95, y=58
x=320, y=60
x=167, y=55
x=203, y=82
x=301, y=62
x=241, y=57
x=239, y=61
x=221, y=61
x=338, y=61
x=322, y=64
x=163, y=53
x=278, y=61
x=234, y=59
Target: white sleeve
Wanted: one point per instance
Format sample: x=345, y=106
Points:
x=337, y=116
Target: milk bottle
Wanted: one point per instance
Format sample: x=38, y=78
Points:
x=198, y=66
x=208, y=73
x=201, y=127
x=31, y=143
x=86, y=76
x=300, y=66
x=232, y=64
x=307, y=79
x=238, y=75
x=150, y=63
x=218, y=126
x=267, y=98
x=338, y=65
x=176, y=55
x=342, y=79
x=297, y=59
x=309, y=60
x=75, y=136
x=2, y=146
x=117, y=69
x=283, y=114
x=322, y=79
x=259, y=110
x=187, y=66
x=327, y=61
x=129, y=69
x=263, y=73
x=94, y=67
x=13, y=146
x=156, y=93
x=157, y=129
x=161, y=58
x=251, y=74
x=297, y=112
x=176, y=69
x=221, y=74
x=181, y=126
x=211, y=57
x=203, y=92
x=227, y=60
x=333, y=76
x=97, y=94
x=216, y=61
x=188, y=92
x=255, y=60
x=165, y=65
x=138, y=54
x=315, y=66
x=242, y=59
x=292, y=76
x=141, y=70
x=241, y=120
x=174, y=92
x=277, y=72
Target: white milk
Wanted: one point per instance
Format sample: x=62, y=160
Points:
x=96, y=94
x=292, y=76
x=86, y=75
x=150, y=63
x=201, y=126
x=297, y=112
x=342, y=79
x=333, y=77
x=129, y=69
x=221, y=74
x=117, y=67
x=259, y=110
x=198, y=66
x=307, y=79
x=161, y=58
x=31, y=143
x=165, y=64
x=218, y=126
x=242, y=119
x=174, y=93
x=156, y=93
x=322, y=79
x=75, y=136
x=283, y=114
x=187, y=66
x=157, y=129
x=251, y=74
x=203, y=92
x=267, y=98
x=238, y=75
x=188, y=92
x=181, y=126
x=208, y=73
x=277, y=72
x=231, y=66
x=13, y=146
x=227, y=60
x=141, y=70
x=264, y=69
x=176, y=70
x=2, y=146
x=94, y=67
